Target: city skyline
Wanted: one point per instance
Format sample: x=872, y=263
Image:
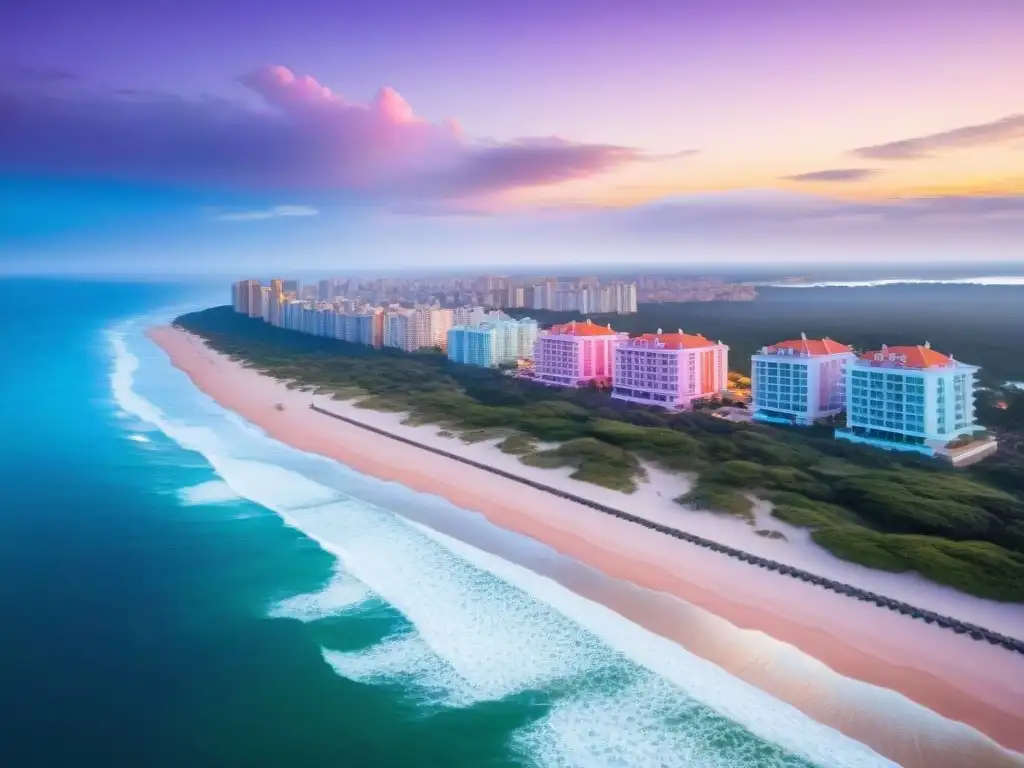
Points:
x=319, y=137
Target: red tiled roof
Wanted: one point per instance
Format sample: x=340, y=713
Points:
x=582, y=329
x=812, y=347
x=909, y=357
x=673, y=340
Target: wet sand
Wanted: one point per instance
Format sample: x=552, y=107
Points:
x=834, y=658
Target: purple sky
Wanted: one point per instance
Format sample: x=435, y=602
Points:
x=578, y=130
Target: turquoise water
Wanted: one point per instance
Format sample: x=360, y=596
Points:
x=178, y=589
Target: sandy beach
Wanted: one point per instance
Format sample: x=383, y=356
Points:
x=826, y=654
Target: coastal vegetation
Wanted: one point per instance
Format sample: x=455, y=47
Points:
x=963, y=528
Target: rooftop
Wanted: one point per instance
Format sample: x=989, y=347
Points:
x=583, y=329
x=919, y=356
x=808, y=347
x=677, y=340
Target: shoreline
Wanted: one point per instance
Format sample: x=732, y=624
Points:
x=929, y=617
x=860, y=643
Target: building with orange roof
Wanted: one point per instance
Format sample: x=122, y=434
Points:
x=800, y=380
x=575, y=354
x=910, y=398
x=670, y=369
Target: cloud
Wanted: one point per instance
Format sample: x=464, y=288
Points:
x=967, y=137
x=278, y=211
x=770, y=210
x=39, y=76
x=301, y=136
x=835, y=174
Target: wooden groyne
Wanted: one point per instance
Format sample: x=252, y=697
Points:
x=929, y=617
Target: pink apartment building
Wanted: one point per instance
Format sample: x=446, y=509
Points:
x=670, y=369
x=575, y=354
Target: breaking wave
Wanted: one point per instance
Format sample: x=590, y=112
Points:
x=469, y=627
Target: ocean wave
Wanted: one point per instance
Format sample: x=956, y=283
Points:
x=342, y=594
x=477, y=628
x=404, y=660
x=210, y=492
x=767, y=717
x=1004, y=280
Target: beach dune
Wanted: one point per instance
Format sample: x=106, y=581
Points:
x=916, y=694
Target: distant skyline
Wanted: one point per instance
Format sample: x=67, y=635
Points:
x=224, y=137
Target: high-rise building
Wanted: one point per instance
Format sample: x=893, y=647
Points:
x=515, y=297
x=292, y=288
x=255, y=291
x=473, y=345
x=495, y=341
x=468, y=315
x=277, y=285
x=246, y=298
x=799, y=381
x=276, y=302
x=575, y=354
x=909, y=398
x=370, y=327
x=396, y=328
x=265, y=304
x=427, y=327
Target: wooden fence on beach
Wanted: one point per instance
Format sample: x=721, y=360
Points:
x=930, y=617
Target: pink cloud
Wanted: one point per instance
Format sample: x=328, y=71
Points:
x=302, y=136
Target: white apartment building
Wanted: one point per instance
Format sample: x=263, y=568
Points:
x=255, y=298
x=800, y=380
x=265, y=304
x=412, y=329
x=669, y=369
x=909, y=398
x=247, y=298
x=469, y=315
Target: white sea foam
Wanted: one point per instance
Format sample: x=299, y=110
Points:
x=341, y=594
x=646, y=723
x=998, y=280
x=773, y=720
x=210, y=492
x=473, y=636
x=138, y=438
x=404, y=659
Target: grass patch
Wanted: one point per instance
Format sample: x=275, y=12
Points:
x=518, y=444
x=976, y=567
x=717, y=498
x=592, y=461
x=389, y=404
x=482, y=435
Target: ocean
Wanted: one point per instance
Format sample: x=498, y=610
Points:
x=177, y=589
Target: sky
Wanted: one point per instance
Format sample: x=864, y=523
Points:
x=211, y=135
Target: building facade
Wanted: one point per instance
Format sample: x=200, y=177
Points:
x=576, y=353
x=495, y=341
x=473, y=345
x=909, y=398
x=669, y=369
x=799, y=381
x=412, y=329
x=370, y=327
